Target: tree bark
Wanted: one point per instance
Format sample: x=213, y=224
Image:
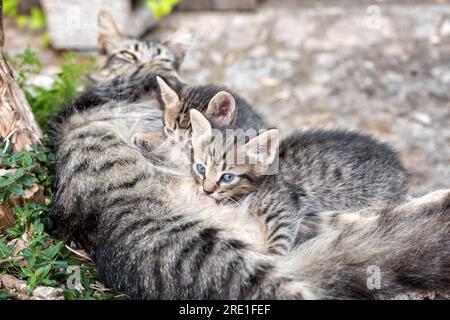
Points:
x=17, y=122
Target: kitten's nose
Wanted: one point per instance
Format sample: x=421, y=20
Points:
x=209, y=187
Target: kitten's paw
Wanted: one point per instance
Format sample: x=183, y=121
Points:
x=278, y=249
x=147, y=140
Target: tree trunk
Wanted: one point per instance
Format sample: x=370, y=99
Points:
x=17, y=122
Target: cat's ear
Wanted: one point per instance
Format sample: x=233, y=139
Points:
x=171, y=103
x=262, y=149
x=221, y=109
x=179, y=43
x=109, y=34
x=201, y=129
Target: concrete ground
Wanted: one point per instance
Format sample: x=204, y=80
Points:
x=381, y=67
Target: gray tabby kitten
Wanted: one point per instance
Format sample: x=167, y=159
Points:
x=319, y=170
x=113, y=200
x=223, y=109
x=220, y=107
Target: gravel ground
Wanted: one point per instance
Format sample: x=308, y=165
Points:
x=381, y=67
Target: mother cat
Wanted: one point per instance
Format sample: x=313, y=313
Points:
x=112, y=200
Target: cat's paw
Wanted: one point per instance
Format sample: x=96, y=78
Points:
x=278, y=249
x=147, y=140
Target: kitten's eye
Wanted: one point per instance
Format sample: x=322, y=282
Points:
x=128, y=55
x=200, y=169
x=228, y=177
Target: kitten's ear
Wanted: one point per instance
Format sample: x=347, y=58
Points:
x=179, y=43
x=201, y=129
x=171, y=103
x=221, y=109
x=263, y=148
x=109, y=34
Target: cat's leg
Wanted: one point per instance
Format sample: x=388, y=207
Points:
x=281, y=217
x=281, y=229
x=148, y=140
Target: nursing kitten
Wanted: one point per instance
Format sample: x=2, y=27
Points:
x=319, y=170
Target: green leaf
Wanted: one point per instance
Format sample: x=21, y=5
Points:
x=5, y=250
x=27, y=272
x=37, y=19
x=161, y=8
x=46, y=270
x=26, y=252
x=10, y=177
x=32, y=283
x=69, y=294
x=32, y=261
x=10, y=7
x=16, y=189
x=39, y=272
x=46, y=39
x=41, y=156
x=27, y=161
x=39, y=228
x=52, y=251
x=28, y=180
x=22, y=21
x=4, y=294
x=4, y=196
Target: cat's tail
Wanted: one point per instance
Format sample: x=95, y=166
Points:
x=167, y=256
x=378, y=252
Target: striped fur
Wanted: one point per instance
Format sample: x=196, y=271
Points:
x=317, y=171
x=148, y=250
x=118, y=204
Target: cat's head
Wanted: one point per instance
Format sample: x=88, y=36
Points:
x=220, y=109
x=125, y=55
x=229, y=167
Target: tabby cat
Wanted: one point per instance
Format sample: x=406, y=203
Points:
x=112, y=199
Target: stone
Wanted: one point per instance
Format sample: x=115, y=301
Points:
x=247, y=74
